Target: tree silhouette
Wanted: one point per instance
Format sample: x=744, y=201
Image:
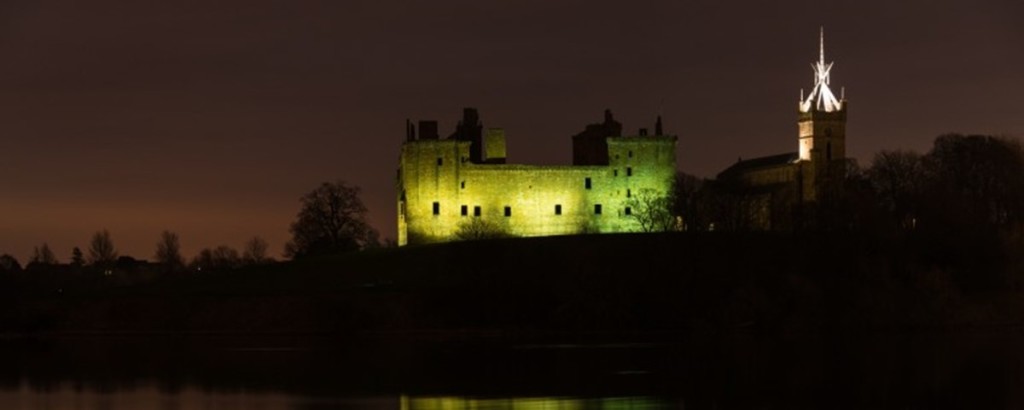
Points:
x=42, y=255
x=652, y=210
x=168, y=251
x=217, y=259
x=898, y=179
x=980, y=178
x=255, y=252
x=101, y=250
x=332, y=220
x=686, y=200
x=477, y=228
x=9, y=264
x=77, y=259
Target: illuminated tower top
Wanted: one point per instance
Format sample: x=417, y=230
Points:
x=821, y=97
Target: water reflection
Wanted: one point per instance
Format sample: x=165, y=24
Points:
x=888, y=371
x=75, y=397
x=534, y=403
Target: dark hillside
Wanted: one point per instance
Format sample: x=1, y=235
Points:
x=680, y=283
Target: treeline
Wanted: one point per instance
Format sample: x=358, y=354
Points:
x=966, y=184
x=102, y=257
x=959, y=208
x=332, y=220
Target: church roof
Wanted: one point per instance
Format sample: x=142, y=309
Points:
x=752, y=164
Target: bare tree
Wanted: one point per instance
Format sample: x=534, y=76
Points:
x=42, y=255
x=651, y=209
x=255, y=252
x=77, y=259
x=332, y=220
x=979, y=176
x=168, y=251
x=898, y=177
x=686, y=200
x=101, y=249
x=477, y=228
x=217, y=259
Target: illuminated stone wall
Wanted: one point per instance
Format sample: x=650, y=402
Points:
x=823, y=132
x=439, y=190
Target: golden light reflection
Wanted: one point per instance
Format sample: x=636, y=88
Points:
x=532, y=403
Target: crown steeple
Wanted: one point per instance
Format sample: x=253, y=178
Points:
x=821, y=97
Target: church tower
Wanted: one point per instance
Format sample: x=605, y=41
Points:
x=822, y=117
x=822, y=125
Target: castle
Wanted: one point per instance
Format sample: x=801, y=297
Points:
x=461, y=185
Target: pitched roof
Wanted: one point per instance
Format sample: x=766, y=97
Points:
x=760, y=163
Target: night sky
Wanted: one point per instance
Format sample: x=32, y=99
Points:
x=211, y=118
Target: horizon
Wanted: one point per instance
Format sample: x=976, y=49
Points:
x=114, y=121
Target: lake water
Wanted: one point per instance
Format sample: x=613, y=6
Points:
x=286, y=372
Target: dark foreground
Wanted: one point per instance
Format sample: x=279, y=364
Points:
x=691, y=284
x=612, y=321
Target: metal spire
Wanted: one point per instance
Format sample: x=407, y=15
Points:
x=821, y=97
x=821, y=44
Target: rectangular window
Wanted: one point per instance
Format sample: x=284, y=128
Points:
x=476, y=211
x=597, y=209
x=629, y=194
x=631, y=154
x=463, y=185
x=629, y=211
x=508, y=211
x=440, y=161
x=558, y=209
x=437, y=208
x=465, y=210
x=586, y=182
x=629, y=171
x=615, y=173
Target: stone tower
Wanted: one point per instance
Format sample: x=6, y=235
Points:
x=822, y=125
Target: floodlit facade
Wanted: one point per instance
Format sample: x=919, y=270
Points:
x=448, y=187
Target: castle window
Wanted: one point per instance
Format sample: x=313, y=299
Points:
x=629, y=194
x=463, y=185
x=631, y=154
x=615, y=173
x=586, y=183
x=440, y=161
x=629, y=171
x=558, y=209
x=629, y=211
x=476, y=210
x=465, y=210
x=437, y=208
x=597, y=209
x=508, y=211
